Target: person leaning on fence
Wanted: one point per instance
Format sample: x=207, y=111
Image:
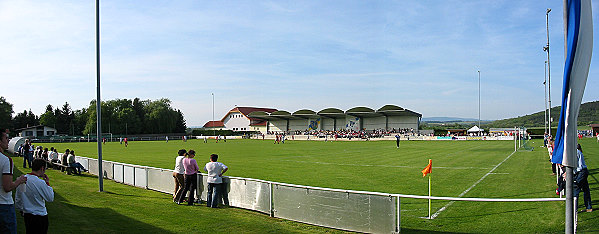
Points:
x=31, y=198
x=215, y=181
x=191, y=178
x=75, y=164
x=580, y=180
x=178, y=175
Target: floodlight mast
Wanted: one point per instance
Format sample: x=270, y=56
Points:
x=546, y=49
x=98, y=100
x=545, y=89
x=479, y=103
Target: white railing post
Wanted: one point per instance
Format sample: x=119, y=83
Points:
x=270, y=208
x=398, y=229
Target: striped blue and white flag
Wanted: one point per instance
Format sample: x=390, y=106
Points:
x=576, y=69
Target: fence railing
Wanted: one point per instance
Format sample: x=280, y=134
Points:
x=359, y=211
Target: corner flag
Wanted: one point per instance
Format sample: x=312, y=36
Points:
x=578, y=58
x=428, y=169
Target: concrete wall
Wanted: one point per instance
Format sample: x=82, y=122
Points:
x=374, y=123
x=400, y=122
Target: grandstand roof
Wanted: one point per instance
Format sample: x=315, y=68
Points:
x=362, y=112
x=387, y=110
x=305, y=113
x=331, y=113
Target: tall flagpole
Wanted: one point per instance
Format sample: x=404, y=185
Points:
x=98, y=100
x=546, y=48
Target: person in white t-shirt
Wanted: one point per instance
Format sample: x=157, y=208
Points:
x=178, y=175
x=8, y=220
x=31, y=198
x=215, y=181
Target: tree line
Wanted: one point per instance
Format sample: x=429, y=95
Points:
x=119, y=116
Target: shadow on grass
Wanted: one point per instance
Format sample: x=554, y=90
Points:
x=65, y=217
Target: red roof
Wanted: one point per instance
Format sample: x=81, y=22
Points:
x=247, y=110
x=214, y=124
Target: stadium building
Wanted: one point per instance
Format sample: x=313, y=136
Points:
x=267, y=120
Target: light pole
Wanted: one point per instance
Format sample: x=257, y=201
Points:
x=213, y=124
x=98, y=100
x=479, y=101
x=545, y=88
x=546, y=49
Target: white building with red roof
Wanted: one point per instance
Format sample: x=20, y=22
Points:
x=237, y=119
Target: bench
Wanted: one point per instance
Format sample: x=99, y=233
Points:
x=64, y=168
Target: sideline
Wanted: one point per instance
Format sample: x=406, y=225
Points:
x=471, y=187
x=369, y=165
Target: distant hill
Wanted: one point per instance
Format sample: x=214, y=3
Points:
x=447, y=119
x=589, y=114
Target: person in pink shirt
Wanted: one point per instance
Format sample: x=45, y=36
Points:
x=191, y=177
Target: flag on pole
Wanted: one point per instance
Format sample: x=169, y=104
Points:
x=576, y=69
x=428, y=169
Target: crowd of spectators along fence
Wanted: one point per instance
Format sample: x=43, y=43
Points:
x=346, y=133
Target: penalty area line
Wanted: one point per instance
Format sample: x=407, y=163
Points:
x=471, y=187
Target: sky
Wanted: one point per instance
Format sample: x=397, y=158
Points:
x=289, y=55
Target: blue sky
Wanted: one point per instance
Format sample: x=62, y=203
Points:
x=289, y=55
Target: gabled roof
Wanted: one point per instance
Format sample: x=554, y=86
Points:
x=247, y=110
x=32, y=127
x=214, y=124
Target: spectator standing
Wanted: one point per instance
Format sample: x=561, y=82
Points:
x=191, y=177
x=178, y=175
x=8, y=219
x=580, y=179
x=215, y=181
x=27, y=154
x=31, y=198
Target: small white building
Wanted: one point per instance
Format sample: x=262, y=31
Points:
x=36, y=131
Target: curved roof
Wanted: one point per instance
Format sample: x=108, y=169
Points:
x=281, y=114
x=394, y=110
x=261, y=115
x=362, y=112
x=305, y=113
x=331, y=113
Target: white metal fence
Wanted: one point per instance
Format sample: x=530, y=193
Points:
x=350, y=210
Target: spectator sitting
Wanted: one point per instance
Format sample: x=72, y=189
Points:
x=63, y=158
x=31, y=198
x=54, y=156
x=73, y=163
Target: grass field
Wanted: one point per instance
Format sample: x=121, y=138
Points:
x=458, y=166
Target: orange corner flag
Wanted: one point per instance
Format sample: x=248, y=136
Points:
x=428, y=169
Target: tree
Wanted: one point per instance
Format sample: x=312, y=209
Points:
x=25, y=119
x=180, y=125
x=6, y=112
x=48, y=118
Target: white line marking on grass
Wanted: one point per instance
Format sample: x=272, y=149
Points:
x=471, y=187
x=394, y=166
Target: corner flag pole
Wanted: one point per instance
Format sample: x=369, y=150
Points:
x=427, y=170
x=429, y=195
x=98, y=100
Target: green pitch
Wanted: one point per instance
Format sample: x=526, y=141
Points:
x=458, y=170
